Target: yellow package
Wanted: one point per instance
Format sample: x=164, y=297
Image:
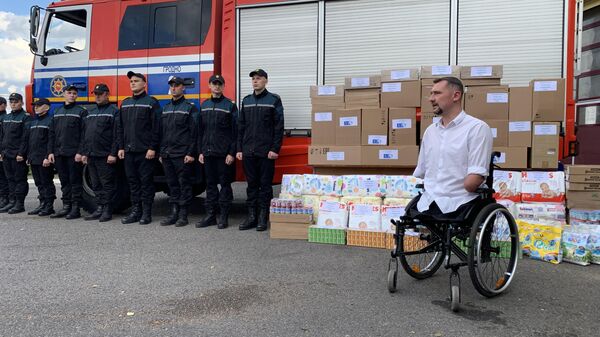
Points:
x=540, y=242
x=396, y=201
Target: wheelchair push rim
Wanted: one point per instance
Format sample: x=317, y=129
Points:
x=493, y=250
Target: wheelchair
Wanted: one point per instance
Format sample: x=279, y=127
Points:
x=483, y=237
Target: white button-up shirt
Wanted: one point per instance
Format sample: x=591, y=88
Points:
x=449, y=153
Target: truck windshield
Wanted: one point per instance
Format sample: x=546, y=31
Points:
x=67, y=32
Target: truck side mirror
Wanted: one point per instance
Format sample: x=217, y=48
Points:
x=34, y=23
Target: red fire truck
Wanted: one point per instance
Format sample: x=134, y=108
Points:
x=299, y=42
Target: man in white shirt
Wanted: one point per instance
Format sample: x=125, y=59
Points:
x=455, y=154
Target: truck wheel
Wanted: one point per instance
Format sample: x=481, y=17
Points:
x=121, y=200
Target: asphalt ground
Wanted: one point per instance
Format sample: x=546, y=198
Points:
x=79, y=278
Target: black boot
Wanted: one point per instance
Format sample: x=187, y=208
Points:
x=146, y=213
x=134, y=214
x=64, y=211
x=171, y=219
x=210, y=219
x=183, y=217
x=263, y=220
x=96, y=215
x=250, y=221
x=19, y=206
x=106, y=213
x=48, y=208
x=223, y=218
x=8, y=206
x=37, y=209
x=75, y=212
x=3, y=202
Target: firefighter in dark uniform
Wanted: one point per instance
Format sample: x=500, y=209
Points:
x=138, y=135
x=3, y=179
x=217, y=134
x=15, y=167
x=100, y=152
x=65, y=148
x=177, y=151
x=35, y=149
x=260, y=133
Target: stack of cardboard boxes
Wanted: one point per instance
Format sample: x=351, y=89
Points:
x=583, y=187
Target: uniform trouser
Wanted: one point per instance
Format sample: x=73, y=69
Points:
x=44, y=181
x=140, y=177
x=3, y=183
x=103, y=176
x=218, y=173
x=259, y=175
x=70, y=174
x=179, y=180
x=16, y=174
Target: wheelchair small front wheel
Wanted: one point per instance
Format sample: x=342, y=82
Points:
x=493, y=250
x=455, y=298
x=392, y=280
x=423, y=265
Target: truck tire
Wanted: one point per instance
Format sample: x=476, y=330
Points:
x=121, y=200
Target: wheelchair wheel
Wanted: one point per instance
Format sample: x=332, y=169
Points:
x=424, y=265
x=493, y=249
x=455, y=298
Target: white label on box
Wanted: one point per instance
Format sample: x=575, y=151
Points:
x=481, y=71
x=391, y=87
x=400, y=74
x=388, y=154
x=497, y=97
x=519, y=126
x=401, y=123
x=590, y=115
x=331, y=156
x=377, y=140
x=501, y=159
x=441, y=70
x=545, y=130
x=436, y=119
x=349, y=121
x=323, y=116
x=545, y=85
x=360, y=82
x=326, y=90
x=329, y=206
x=495, y=132
x=362, y=209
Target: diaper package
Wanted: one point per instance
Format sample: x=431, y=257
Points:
x=364, y=186
x=292, y=184
x=315, y=184
x=402, y=186
x=507, y=185
x=540, y=242
x=548, y=214
x=365, y=217
x=350, y=200
x=371, y=201
x=396, y=201
x=537, y=186
x=389, y=213
x=285, y=196
x=332, y=214
x=312, y=201
x=584, y=217
x=594, y=246
x=575, y=247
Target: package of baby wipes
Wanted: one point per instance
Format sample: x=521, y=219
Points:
x=537, y=186
x=540, y=242
x=364, y=186
x=594, y=245
x=396, y=201
x=365, y=217
x=507, y=185
x=332, y=214
x=549, y=214
x=389, y=213
x=315, y=184
x=292, y=184
x=584, y=217
x=402, y=186
x=575, y=246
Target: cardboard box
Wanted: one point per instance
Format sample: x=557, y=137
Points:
x=583, y=200
x=519, y=107
x=402, y=126
x=334, y=156
x=487, y=102
x=427, y=119
x=331, y=92
x=347, y=127
x=401, y=94
x=544, y=145
x=425, y=103
x=291, y=218
x=390, y=156
x=499, y=132
x=482, y=82
x=584, y=178
x=511, y=157
x=440, y=71
x=405, y=74
x=362, y=82
x=548, y=100
x=519, y=134
x=583, y=169
x=362, y=98
x=323, y=105
x=571, y=186
x=323, y=127
x=374, y=127
x=481, y=72
x=288, y=230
